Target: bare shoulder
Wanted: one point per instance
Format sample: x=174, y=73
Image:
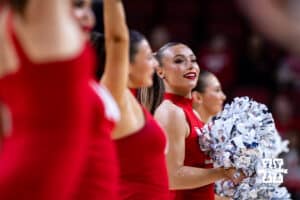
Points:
x=171, y=118
x=167, y=109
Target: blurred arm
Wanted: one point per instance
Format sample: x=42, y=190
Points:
x=271, y=19
x=115, y=76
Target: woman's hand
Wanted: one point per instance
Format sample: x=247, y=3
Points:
x=236, y=176
x=217, y=197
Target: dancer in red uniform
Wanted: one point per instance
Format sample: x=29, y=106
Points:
x=190, y=171
x=44, y=72
x=140, y=141
x=208, y=99
x=101, y=171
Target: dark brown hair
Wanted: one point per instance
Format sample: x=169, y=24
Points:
x=152, y=97
x=98, y=41
x=18, y=5
x=202, y=81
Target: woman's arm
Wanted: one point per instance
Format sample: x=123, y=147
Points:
x=270, y=18
x=172, y=119
x=115, y=76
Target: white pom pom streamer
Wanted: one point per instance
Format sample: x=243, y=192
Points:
x=242, y=136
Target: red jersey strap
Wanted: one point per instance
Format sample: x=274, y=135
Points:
x=14, y=38
x=133, y=91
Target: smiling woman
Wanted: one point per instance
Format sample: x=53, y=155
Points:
x=190, y=171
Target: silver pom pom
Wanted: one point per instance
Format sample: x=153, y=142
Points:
x=244, y=136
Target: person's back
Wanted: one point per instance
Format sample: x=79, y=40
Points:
x=44, y=84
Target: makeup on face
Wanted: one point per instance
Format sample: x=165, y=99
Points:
x=83, y=13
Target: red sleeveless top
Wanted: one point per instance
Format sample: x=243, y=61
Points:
x=142, y=163
x=101, y=170
x=44, y=154
x=194, y=157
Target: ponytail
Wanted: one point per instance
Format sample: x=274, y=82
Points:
x=18, y=6
x=152, y=97
x=202, y=81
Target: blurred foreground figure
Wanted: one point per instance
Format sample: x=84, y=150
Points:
x=45, y=68
x=276, y=21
